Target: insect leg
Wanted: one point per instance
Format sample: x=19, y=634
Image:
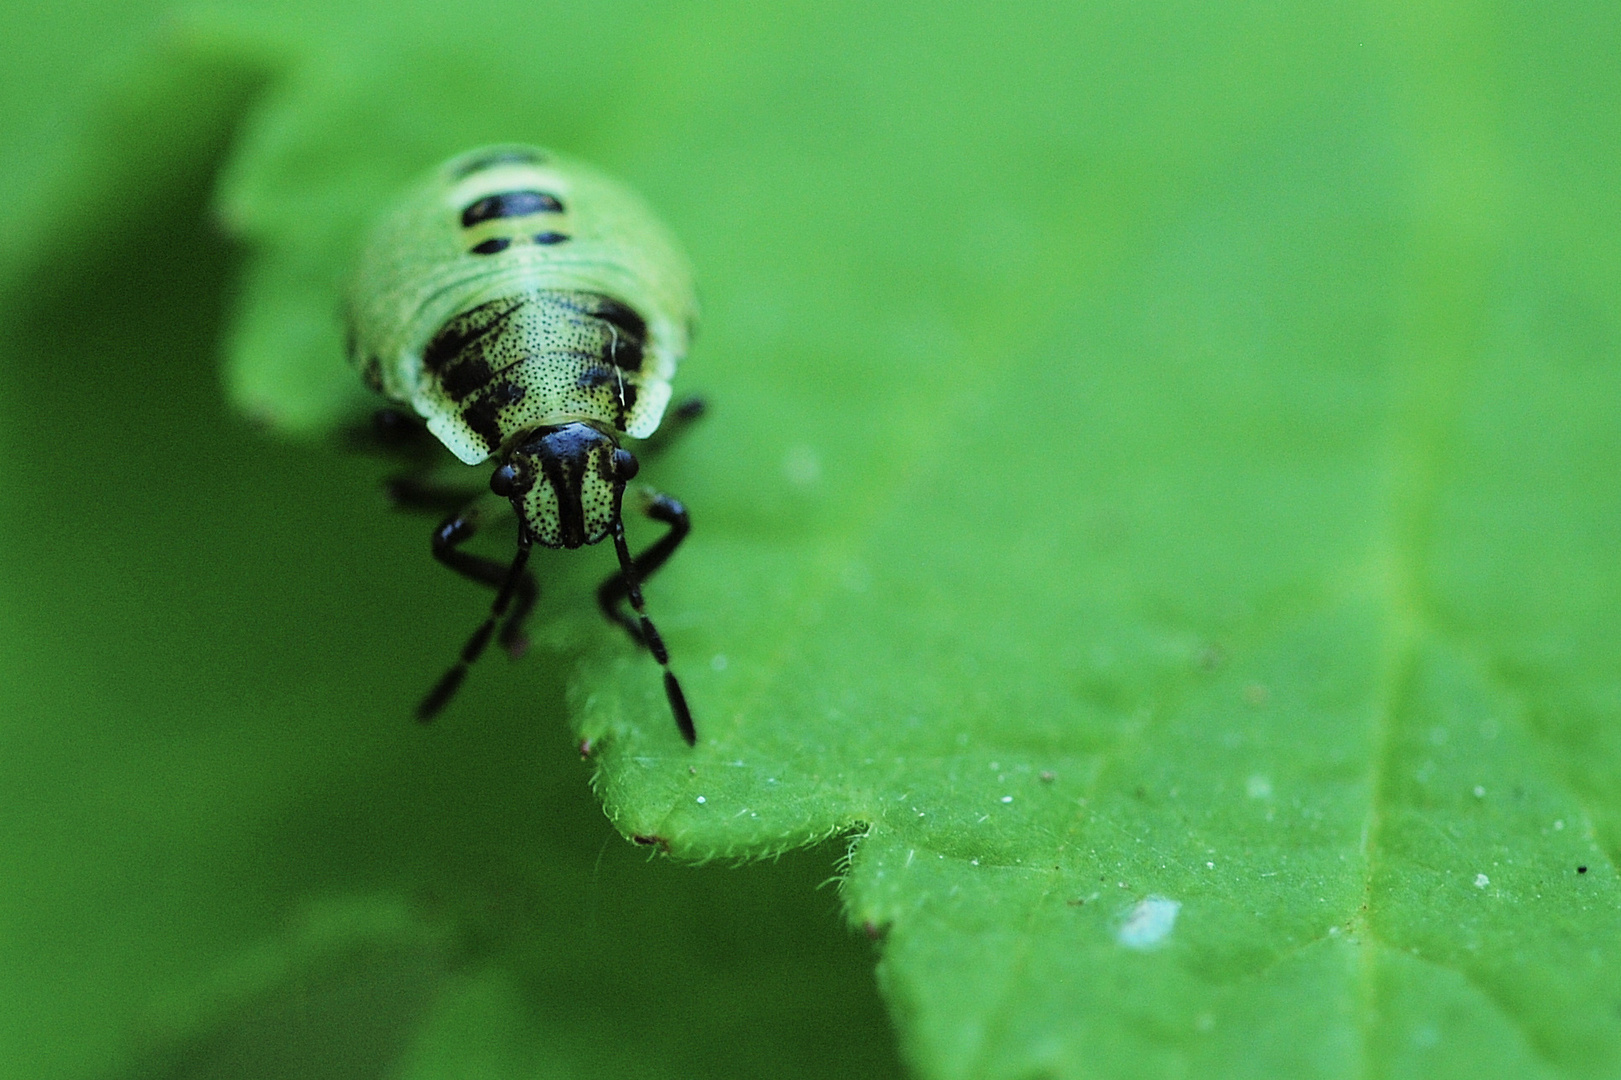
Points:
x=677, y=422
x=615, y=589
x=457, y=530
x=511, y=584
x=418, y=492
x=394, y=433
x=626, y=585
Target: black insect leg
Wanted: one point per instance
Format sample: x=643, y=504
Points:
x=511, y=585
x=684, y=412
x=396, y=434
x=413, y=492
x=612, y=592
x=417, y=492
x=626, y=585
x=404, y=437
x=678, y=420
x=447, y=541
x=393, y=433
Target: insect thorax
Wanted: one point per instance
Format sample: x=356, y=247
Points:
x=500, y=370
x=566, y=483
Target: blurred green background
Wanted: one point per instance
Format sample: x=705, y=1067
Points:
x=1183, y=278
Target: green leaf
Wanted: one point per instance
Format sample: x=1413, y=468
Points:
x=225, y=848
x=1160, y=500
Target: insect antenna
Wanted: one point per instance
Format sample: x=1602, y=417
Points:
x=650, y=635
x=445, y=689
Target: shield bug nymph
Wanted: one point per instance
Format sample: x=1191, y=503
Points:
x=524, y=308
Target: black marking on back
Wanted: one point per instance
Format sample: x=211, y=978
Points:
x=491, y=246
x=550, y=238
x=505, y=204
x=625, y=392
x=627, y=402
x=506, y=392
x=626, y=355
x=624, y=317
x=484, y=418
x=464, y=330
x=493, y=158
x=466, y=375
x=624, y=350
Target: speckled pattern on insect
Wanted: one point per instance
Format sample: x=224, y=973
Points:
x=528, y=309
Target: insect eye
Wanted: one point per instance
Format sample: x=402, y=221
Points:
x=625, y=465
x=508, y=482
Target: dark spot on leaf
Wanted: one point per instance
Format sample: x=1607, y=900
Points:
x=550, y=238
x=491, y=246
x=1581, y=869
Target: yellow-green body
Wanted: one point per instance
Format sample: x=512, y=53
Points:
x=530, y=313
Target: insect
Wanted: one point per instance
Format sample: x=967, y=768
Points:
x=528, y=310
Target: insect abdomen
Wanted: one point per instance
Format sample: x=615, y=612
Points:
x=537, y=358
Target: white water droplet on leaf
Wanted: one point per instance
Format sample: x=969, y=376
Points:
x=1149, y=923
